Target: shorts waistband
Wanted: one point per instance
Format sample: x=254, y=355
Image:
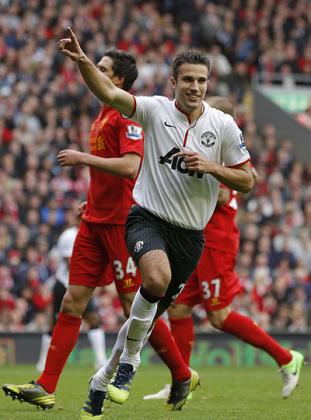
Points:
x=194, y=232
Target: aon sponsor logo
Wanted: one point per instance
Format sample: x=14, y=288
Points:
x=177, y=163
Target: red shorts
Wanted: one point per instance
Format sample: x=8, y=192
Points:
x=213, y=283
x=100, y=256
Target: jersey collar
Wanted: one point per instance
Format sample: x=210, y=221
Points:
x=182, y=115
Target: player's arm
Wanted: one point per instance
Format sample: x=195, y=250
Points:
x=97, y=82
x=256, y=178
x=223, y=196
x=237, y=178
x=126, y=166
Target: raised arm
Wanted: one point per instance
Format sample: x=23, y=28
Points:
x=97, y=82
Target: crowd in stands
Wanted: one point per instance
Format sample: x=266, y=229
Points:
x=45, y=107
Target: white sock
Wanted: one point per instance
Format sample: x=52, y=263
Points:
x=45, y=344
x=140, y=321
x=97, y=340
x=102, y=377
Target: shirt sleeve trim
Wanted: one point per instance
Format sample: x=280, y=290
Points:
x=127, y=117
x=239, y=164
x=140, y=153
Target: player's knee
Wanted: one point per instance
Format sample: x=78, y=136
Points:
x=127, y=309
x=126, y=302
x=156, y=283
x=72, y=305
x=156, y=272
x=217, y=318
x=216, y=323
x=179, y=311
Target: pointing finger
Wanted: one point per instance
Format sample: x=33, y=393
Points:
x=72, y=34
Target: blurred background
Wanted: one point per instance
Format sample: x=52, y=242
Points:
x=261, y=60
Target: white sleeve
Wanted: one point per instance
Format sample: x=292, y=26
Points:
x=143, y=109
x=234, y=151
x=65, y=244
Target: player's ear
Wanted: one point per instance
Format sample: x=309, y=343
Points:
x=173, y=81
x=118, y=81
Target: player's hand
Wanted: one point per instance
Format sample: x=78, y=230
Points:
x=70, y=46
x=195, y=162
x=69, y=157
x=82, y=208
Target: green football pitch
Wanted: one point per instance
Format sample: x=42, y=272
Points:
x=226, y=393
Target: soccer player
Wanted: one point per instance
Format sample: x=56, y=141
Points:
x=214, y=284
x=99, y=244
x=189, y=149
x=116, y=147
x=95, y=333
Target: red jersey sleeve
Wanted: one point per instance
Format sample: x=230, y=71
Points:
x=131, y=137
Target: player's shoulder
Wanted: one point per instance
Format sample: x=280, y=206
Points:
x=162, y=99
x=220, y=120
x=163, y=106
x=155, y=100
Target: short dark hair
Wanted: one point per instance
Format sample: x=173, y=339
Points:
x=191, y=57
x=123, y=65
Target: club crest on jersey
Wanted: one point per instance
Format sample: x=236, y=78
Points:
x=138, y=246
x=134, y=133
x=208, y=139
x=242, y=144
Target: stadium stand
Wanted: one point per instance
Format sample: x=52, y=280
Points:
x=44, y=107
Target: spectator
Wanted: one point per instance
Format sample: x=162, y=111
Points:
x=44, y=108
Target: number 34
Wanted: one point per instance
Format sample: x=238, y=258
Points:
x=121, y=271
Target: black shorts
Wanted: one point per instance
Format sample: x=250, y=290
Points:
x=59, y=291
x=146, y=232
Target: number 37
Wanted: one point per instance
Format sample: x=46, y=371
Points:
x=207, y=290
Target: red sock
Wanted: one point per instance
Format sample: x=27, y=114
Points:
x=64, y=338
x=183, y=332
x=164, y=344
x=247, y=330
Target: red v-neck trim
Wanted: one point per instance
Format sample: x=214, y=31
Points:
x=191, y=126
x=185, y=113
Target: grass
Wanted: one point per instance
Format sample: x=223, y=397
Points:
x=227, y=393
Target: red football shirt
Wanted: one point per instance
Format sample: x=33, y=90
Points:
x=221, y=232
x=110, y=197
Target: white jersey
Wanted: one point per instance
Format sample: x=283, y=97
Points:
x=64, y=249
x=164, y=186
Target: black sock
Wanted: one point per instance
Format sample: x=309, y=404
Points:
x=147, y=296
